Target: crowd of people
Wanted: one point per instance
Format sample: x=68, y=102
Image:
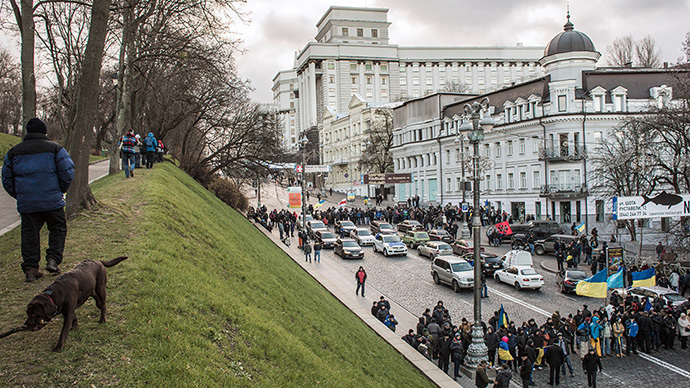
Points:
x=136, y=151
x=625, y=325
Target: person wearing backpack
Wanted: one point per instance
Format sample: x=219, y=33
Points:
x=582, y=333
x=150, y=143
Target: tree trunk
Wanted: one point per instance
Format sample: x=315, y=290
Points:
x=79, y=193
x=27, y=58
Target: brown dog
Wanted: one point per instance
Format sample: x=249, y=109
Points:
x=68, y=292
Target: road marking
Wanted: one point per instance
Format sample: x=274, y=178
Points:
x=520, y=302
x=614, y=378
x=666, y=365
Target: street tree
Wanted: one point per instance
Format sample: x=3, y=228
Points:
x=627, y=52
x=455, y=86
x=10, y=94
x=647, y=53
x=620, y=52
x=376, y=156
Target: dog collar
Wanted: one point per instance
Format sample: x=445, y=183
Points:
x=48, y=293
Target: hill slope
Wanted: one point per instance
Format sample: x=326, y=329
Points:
x=204, y=300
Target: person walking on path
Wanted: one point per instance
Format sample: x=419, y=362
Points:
x=361, y=277
x=481, y=379
x=317, y=252
x=37, y=173
x=150, y=142
x=307, y=251
x=684, y=330
x=590, y=364
x=503, y=377
x=659, y=251
x=129, y=143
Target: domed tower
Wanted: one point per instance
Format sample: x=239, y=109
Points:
x=568, y=54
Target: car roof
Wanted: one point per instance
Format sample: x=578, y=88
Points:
x=451, y=259
x=412, y=221
x=363, y=229
x=347, y=239
x=575, y=271
x=657, y=289
x=436, y=243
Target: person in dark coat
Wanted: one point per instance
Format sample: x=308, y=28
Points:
x=444, y=352
x=503, y=377
x=481, y=379
x=525, y=371
x=37, y=173
x=456, y=352
x=554, y=357
x=645, y=334
x=421, y=325
x=491, y=340
x=590, y=363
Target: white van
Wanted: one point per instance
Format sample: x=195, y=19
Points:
x=517, y=258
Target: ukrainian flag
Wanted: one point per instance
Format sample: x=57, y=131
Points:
x=318, y=205
x=502, y=318
x=594, y=287
x=646, y=278
x=580, y=228
x=616, y=280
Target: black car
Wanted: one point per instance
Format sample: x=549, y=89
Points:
x=542, y=229
x=490, y=262
x=344, y=227
x=514, y=229
x=567, y=280
x=381, y=227
x=327, y=239
x=410, y=225
x=440, y=235
x=348, y=249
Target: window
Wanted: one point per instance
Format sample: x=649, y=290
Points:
x=511, y=183
x=429, y=81
x=331, y=92
x=523, y=180
x=599, y=204
x=370, y=80
x=415, y=67
x=360, y=32
x=447, y=184
x=415, y=93
x=354, y=91
x=374, y=33
x=403, y=81
x=354, y=80
x=353, y=66
x=384, y=67
x=499, y=182
x=384, y=93
x=522, y=146
x=536, y=179
x=403, y=94
x=428, y=92
x=331, y=66
x=346, y=32
x=331, y=79
x=562, y=107
x=368, y=67
x=458, y=182
x=292, y=105
x=384, y=80
x=292, y=86
x=415, y=80
x=370, y=93
x=403, y=68
x=510, y=148
x=487, y=150
x=498, y=149
x=488, y=182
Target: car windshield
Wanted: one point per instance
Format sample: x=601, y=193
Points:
x=461, y=267
x=674, y=297
x=576, y=275
x=318, y=225
x=422, y=235
x=385, y=226
x=363, y=232
x=529, y=271
x=346, y=223
x=350, y=244
x=389, y=238
x=443, y=246
x=413, y=222
x=441, y=233
x=327, y=235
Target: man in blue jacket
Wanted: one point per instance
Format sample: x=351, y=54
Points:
x=37, y=173
x=150, y=143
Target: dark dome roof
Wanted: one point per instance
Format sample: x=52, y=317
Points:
x=569, y=40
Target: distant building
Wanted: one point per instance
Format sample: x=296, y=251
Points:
x=535, y=160
x=352, y=55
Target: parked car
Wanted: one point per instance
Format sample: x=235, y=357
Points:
x=381, y=227
x=440, y=235
x=307, y=218
x=362, y=236
x=517, y=258
x=410, y=225
x=514, y=229
x=542, y=247
x=567, y=280
x=667, y=294
x=461, y=247
x=389, y=244
x=348, y=248
x=414, y=239
x=326, y=238
x=313, y=226
x=490, y=262
x=344, y=227
x=453, y=271
x=432, y=249
x=520, y=277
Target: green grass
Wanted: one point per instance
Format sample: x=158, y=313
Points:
x=7, y=141
x=96, y=158
x=204, y=300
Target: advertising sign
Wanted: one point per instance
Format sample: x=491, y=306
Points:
x=294, y=197
x=387, y=179
x=317, y=168
x=652, y=206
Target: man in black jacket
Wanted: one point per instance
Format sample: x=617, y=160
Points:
x=590, y=363
x=645, y=334
x=554, y=357
x=525, y=371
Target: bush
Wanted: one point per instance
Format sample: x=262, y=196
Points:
x=228, y=192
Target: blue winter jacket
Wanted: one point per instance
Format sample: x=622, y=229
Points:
x=633, y=328
x=37, y=172
x=595, y=328
x=150, y=142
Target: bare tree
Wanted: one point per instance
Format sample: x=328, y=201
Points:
x=686, y=47
x=376, y=156
x=451, y=86
x=24, y=16
x=10, y=95
x=620, y=52
x=647, y=53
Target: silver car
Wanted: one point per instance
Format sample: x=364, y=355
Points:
x=453, y=271
x=433, y=249
x=362, y=236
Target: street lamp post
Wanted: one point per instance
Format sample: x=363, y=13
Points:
x=302, y=143
x=477, y=351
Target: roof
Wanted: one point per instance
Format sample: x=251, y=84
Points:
x=568, y=41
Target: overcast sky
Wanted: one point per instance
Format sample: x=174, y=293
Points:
x=278, y=28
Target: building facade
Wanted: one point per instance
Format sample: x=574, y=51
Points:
x=534, y=162
x=351, y=54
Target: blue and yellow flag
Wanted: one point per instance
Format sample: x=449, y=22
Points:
x=646, y=278
x=502, y=318
x=580, y=228
x=318, y=205
x=594, y=287
x=616, y=280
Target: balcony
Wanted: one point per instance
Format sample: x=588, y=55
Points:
x=563, y=191
x=562, y=154
x=340, y=162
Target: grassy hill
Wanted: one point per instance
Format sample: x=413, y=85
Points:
x=7, y=141
x=204, y=300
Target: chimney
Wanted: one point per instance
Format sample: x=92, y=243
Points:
x=665, y=65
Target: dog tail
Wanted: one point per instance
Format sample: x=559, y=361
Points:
x=113, y=261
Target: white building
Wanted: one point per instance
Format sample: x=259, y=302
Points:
x=351, y=54
x=535, y=158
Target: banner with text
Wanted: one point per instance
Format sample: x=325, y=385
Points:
x=652, y=206
x=294, y=197
x=387, y=179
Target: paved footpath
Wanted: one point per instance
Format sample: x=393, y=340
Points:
x=9, y=218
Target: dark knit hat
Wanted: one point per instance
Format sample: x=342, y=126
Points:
x=35, y=125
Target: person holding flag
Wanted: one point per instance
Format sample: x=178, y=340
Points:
x=504, y=351
x=502, y=318
x=580, y=228
x=318, y=204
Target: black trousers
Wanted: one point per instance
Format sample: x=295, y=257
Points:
x=592, y=379
x=31, y=236
x=554, y=374
x=149, y=158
